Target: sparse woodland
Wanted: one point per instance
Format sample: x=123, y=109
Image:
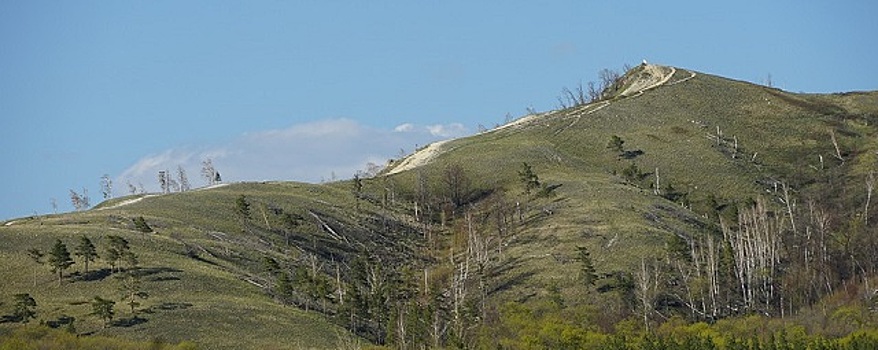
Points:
x=564, y=238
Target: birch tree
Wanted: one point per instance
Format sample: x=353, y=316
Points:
x=756, y=247
x=182, y=179
x=106, y=186
x=208, y=172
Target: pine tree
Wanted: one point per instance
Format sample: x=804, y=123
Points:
x=616, y=144
x=284, y=286
x=86, y=250
x=37, y=256
x=141, y=225
x=59, y=259
x=23, y=309
x=530, y=179
x=103, y=309
x=132, y=290
x=242, y=206
x=118, y=249
x=589, y=274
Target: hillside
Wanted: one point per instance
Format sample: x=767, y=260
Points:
x=641, y=208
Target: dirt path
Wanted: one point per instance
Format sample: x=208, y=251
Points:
x=651, y=77
x=419, y=158
x=127, y=202
x=138, y=199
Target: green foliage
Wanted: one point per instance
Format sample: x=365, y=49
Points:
x=242, y=206
x=548, y=190
x=632, y=173
x=141, y=225
x=103, y=309
x=521, y=327
x=23, y=307
x=284, y=285
x=118, y=250
x=45, y=338
x=517, y=249
x=131, y=288
x=59, y=259
x=86, y=251
x=616, y=144
x=36, y=255
x=528, y=178
x=587, y=270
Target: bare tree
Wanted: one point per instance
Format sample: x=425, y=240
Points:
x=835, y=144
x=76, y=200
x=86, y=200
x=106, y=186
x=54, y=205
x=457, y=183
x=870, y=185
x=182, y=179
x=164, y=184
x=643, y=291
x=608, y=78
x=131, y=188
x=208, y=172
x=756, y=249
x=593, y=92
x=173, y=185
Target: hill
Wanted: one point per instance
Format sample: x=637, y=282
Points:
x=674, y=195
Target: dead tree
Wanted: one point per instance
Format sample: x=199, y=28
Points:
x=870, y=185
x=835, y=144
x=208, y=172
x=106, y=186
x=756, y=249
x=182, y=179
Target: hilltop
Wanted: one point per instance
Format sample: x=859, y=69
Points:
x=675, y=195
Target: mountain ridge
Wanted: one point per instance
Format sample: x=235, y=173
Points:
x=449, y=236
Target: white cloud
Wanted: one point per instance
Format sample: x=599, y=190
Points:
x=308, y=152
x=448, y=130
x=407, y=127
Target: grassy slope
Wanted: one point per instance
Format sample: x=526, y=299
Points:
x=207, y=300
x=619, y=223
x=622, y=224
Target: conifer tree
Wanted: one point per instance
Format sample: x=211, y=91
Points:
x=589, y=274
x=118, y=249
x=23, y=309
x=59, y=259
x=86, y=250
x=242, y=206
x=37, y=256
x=132, y=290
x=103, y=309
x=616, y=144
x=528, y=178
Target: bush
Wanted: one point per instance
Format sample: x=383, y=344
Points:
x=141, y=225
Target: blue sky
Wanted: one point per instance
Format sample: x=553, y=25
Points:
x=300, y=90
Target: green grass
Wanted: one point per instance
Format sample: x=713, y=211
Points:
x=205, y=301
x=622, y=223
x=197, y=262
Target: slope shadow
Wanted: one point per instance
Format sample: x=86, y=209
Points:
x=129, y=322
x=169, y=307
x=631, y=154
x=93, y=275
x=63, y=320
